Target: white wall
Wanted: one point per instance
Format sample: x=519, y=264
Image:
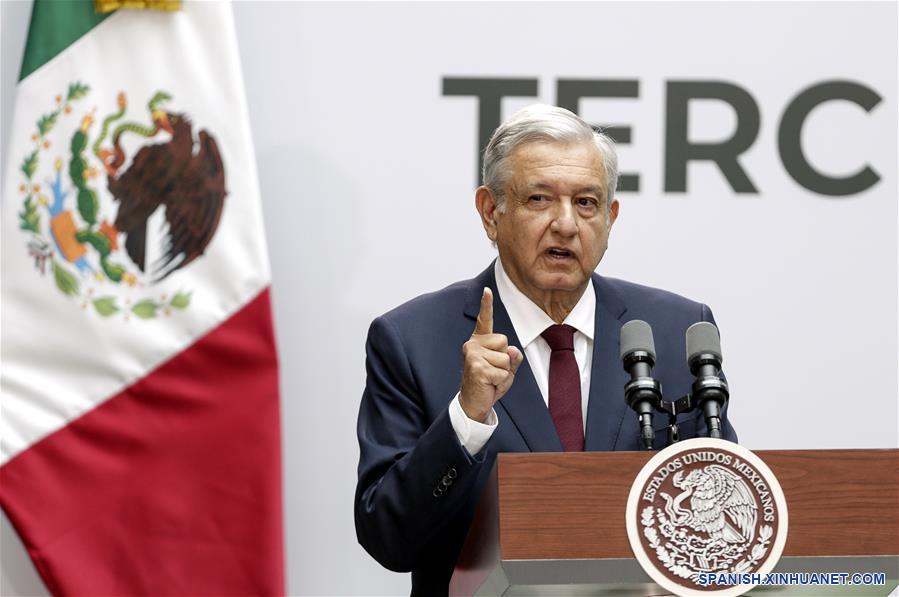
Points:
x=367, y=175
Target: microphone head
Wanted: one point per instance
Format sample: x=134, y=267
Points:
x=636, y=335
x=703, y=338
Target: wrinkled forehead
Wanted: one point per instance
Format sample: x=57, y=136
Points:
x=546, y=165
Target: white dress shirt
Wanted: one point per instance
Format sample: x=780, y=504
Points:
x=529, y=321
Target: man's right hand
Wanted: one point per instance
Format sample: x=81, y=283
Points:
x=489, y=365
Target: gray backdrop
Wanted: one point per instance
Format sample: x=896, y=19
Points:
x=367, y=172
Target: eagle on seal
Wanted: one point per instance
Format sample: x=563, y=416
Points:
x=721, y=504
x=186, y=177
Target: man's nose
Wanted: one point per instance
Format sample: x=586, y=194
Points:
x=565, y=221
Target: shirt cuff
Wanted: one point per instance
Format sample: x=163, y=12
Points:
x=472, y=435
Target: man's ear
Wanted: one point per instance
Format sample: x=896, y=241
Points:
x=613, y=212
x=485, y=203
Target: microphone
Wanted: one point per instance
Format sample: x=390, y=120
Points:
x=710, y=392
x=642, y=393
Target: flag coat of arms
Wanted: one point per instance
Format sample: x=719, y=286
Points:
x=140, y=433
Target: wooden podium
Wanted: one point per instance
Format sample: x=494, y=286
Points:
x=554, y=524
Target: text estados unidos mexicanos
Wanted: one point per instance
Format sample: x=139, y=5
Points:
x=721, y=458
x=791, y=578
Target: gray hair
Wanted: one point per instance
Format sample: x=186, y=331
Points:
x=540, y=122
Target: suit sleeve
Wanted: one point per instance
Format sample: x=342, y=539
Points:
x=727, y=430
x=414, y=476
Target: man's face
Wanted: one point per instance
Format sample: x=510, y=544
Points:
x=554, y=226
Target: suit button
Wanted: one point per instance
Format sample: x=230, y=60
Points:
x=452, y=473
x=446, y=481
x=438, y=491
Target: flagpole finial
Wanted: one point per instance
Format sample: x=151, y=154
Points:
x=104, y=6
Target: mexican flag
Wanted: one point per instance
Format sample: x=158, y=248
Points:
x=139, y=417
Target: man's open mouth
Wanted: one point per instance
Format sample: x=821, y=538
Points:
x=558, y=253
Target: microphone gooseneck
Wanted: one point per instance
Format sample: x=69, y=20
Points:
x=642, y=393
x=709, y=391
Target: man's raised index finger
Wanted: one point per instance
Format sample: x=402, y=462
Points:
x=485, y=315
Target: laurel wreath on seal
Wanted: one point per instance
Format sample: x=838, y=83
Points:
x=98, y=237
x=677, y=553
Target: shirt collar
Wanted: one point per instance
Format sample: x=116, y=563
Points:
x=530, y=321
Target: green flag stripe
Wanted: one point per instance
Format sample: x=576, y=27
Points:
x=55, y=25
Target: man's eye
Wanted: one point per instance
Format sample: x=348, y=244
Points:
x=537, y=198
x=587, y=202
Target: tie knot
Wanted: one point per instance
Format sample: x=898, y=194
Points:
x=559, y=337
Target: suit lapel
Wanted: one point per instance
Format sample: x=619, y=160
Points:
x=523, y=402
x=606, y=408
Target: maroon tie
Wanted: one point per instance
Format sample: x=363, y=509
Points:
x=565, y=387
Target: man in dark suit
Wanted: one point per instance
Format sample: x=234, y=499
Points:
x=522, y=358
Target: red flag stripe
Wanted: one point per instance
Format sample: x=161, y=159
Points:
x=171, y=487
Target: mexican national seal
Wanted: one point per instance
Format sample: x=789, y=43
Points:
x=706, y=508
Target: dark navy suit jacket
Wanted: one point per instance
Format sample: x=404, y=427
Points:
x=407, y=444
